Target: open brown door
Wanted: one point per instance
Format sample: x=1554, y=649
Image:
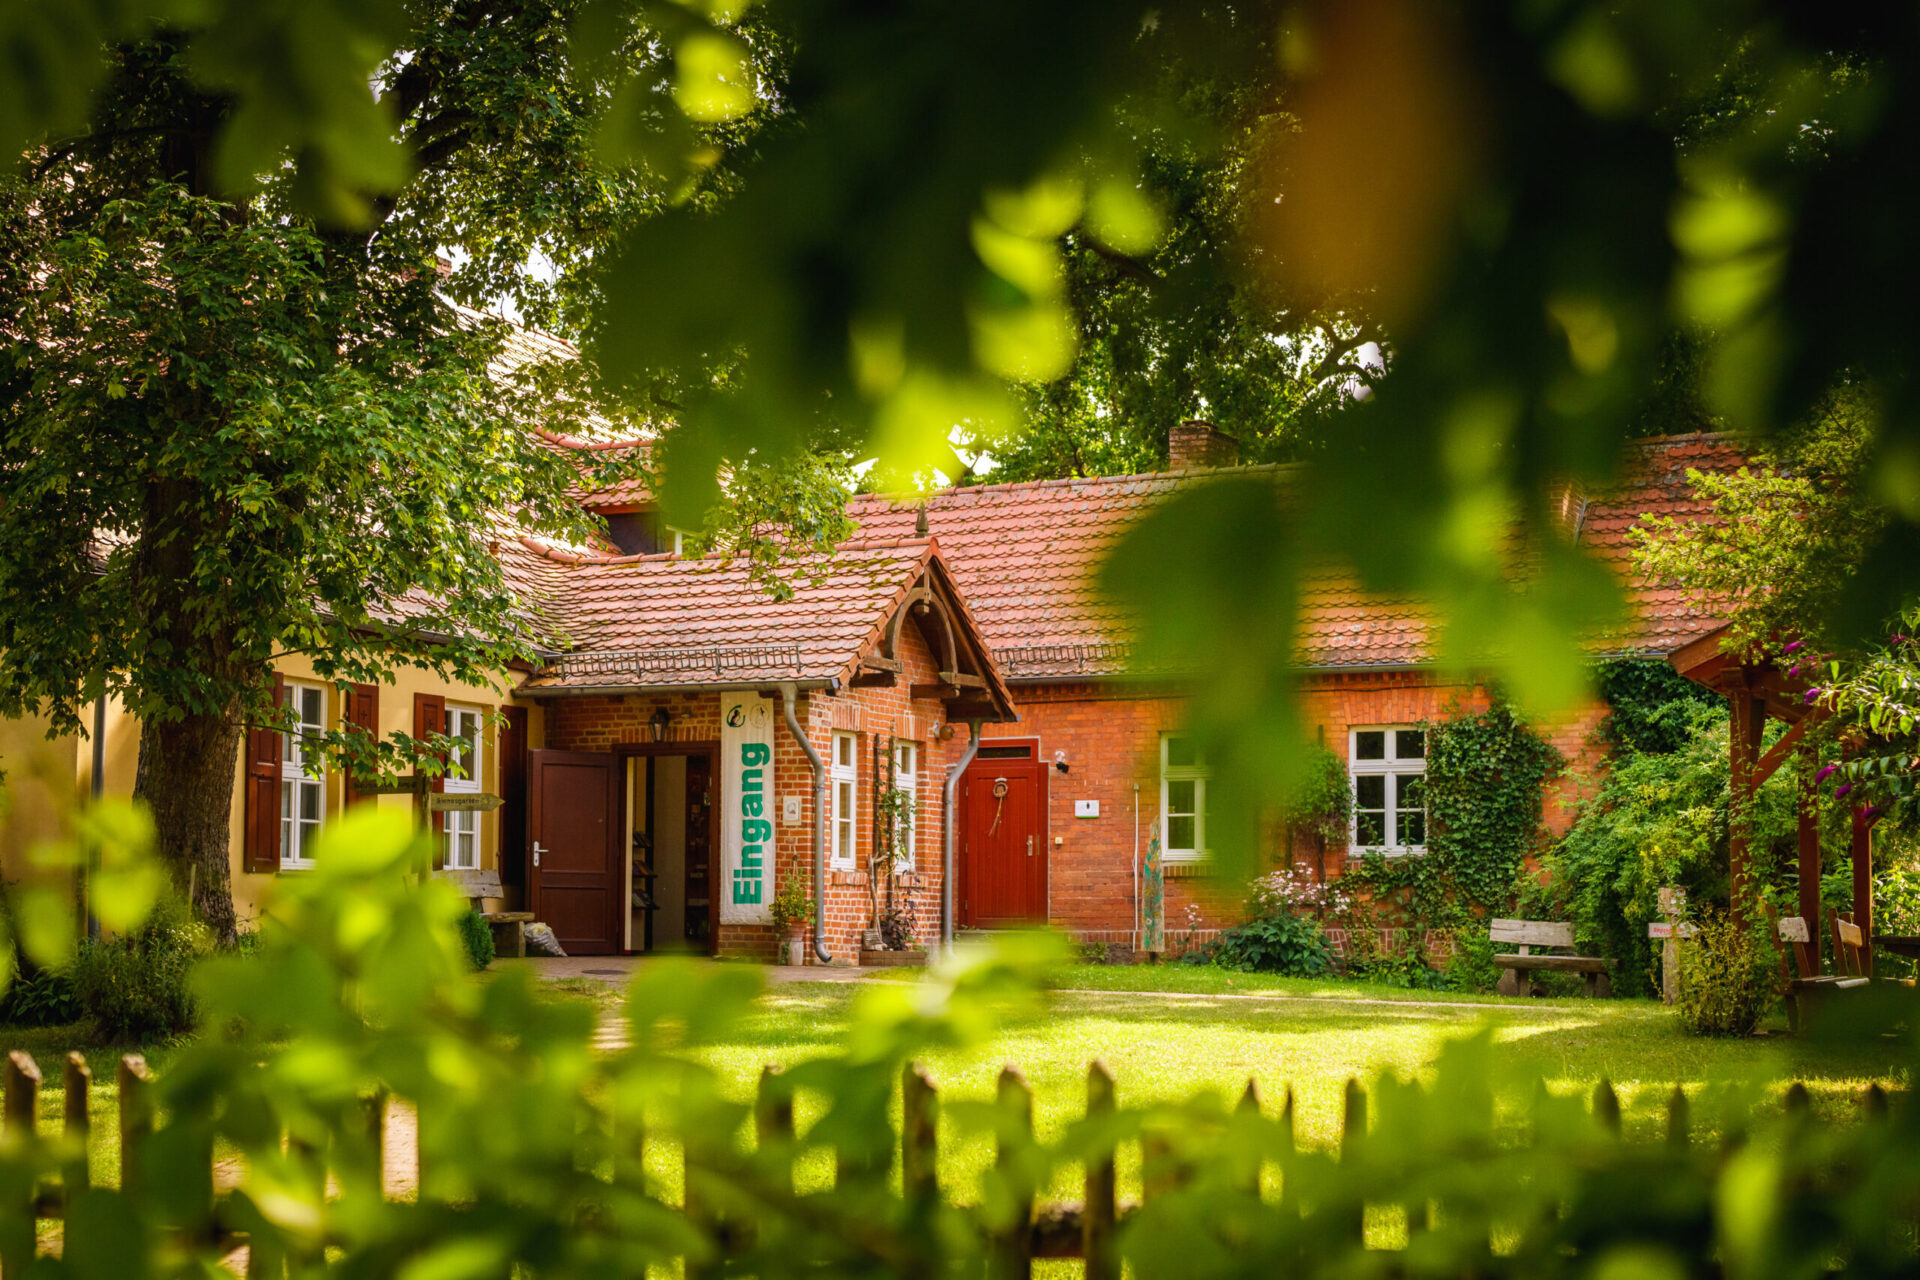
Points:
x=575, y=876
x=1003, y=830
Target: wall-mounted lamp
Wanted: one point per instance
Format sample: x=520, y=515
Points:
x=1060, y=761
x=658, y=722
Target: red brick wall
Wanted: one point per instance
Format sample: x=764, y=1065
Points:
x=1111, y=735
x=600, y=723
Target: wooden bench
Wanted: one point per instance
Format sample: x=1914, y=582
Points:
x=1595, y=973
x=509, y=927
x=1800, y=966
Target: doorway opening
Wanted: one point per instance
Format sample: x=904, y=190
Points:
x=669, y=856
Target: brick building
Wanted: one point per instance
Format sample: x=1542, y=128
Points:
x=1102, y=745
x=659, y=769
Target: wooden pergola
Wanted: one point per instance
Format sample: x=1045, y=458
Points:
x=1756, y=690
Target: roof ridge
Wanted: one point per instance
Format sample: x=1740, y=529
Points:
x=1066, y=482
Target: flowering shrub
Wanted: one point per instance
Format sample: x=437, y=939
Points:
x=1293, y=889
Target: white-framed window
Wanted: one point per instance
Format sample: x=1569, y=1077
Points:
x=462, y=829
x=1183, y=800
x=906, y=781
x=303, y=794
x=1388, y=765
x=843, y=797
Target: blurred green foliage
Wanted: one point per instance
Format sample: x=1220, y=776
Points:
x=531, y=1141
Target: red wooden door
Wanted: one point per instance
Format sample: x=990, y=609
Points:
x=1003, y=827
x=575, y=878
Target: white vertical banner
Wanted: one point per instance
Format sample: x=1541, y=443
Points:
x=746, y=808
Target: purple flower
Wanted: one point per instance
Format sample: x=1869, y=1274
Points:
x=1869, y=811
x=1795, y=647
x=1813, y=695
x=1822, y=775
x=1842, y=789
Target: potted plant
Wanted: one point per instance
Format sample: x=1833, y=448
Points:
x=790, y=908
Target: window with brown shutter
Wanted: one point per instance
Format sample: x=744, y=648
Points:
x=363, y=712
x=260, y=824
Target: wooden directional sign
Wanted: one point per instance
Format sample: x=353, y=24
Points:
x=470, y=802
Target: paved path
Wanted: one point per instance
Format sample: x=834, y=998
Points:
x=617, y=970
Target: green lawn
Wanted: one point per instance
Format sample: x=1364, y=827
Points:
x=1201, y=1034
x=1208, y=1029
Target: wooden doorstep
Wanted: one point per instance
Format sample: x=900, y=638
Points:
x=1564, y=964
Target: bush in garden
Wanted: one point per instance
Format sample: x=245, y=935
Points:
x=1471, y=967
x=39, y=997
x=1280, y=943
x=1726, y=976
x=477, y=938
x=134, y=986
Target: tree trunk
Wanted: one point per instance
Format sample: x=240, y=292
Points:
x=186, y=776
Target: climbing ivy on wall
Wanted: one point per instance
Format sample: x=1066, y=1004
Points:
x=1650, y=706
x=1485, y=773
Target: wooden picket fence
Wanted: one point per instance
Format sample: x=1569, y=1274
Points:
x=1086, y=1230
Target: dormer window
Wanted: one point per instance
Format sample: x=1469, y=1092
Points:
x=641, y=533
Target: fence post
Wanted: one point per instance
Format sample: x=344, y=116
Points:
x=1606, y=1107
x=75, y=1177
x=136, y=1119
x=1353, y=1128
x=1014, y=1250
x=1097, y=1217
x=1679, y=1122
x=19, y=1243
x=1249, y=1104
x=919, y=1137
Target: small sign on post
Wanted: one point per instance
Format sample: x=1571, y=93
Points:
x=1673, y=905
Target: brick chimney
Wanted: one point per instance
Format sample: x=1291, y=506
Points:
x=1195, y=444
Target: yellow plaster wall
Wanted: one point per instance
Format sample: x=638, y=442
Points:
x=34, y=812
x=38, y=789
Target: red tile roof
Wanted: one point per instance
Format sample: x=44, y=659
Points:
x=648, y=621
x=1025, y=557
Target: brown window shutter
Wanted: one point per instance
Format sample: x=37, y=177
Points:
x=430, y=716
x=261, y=821
x=363, y=712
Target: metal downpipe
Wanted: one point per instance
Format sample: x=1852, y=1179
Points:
x=787, y=695
x=951, y=825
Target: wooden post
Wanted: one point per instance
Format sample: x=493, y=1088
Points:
x=1249, y=1104
x=1353, y=1130
x=1013, y=1252
x=919, y=1136
x=1748, y=721
x=75, y=1177
x=1678, y=1120
x=1606, y=1107
x=18, y=1244
x=136, y=1119
x=1098, y=1217
x=1863, y=884
x=376, y=1122
x=1809, y=835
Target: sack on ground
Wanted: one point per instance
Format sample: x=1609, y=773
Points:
x=541, y=942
